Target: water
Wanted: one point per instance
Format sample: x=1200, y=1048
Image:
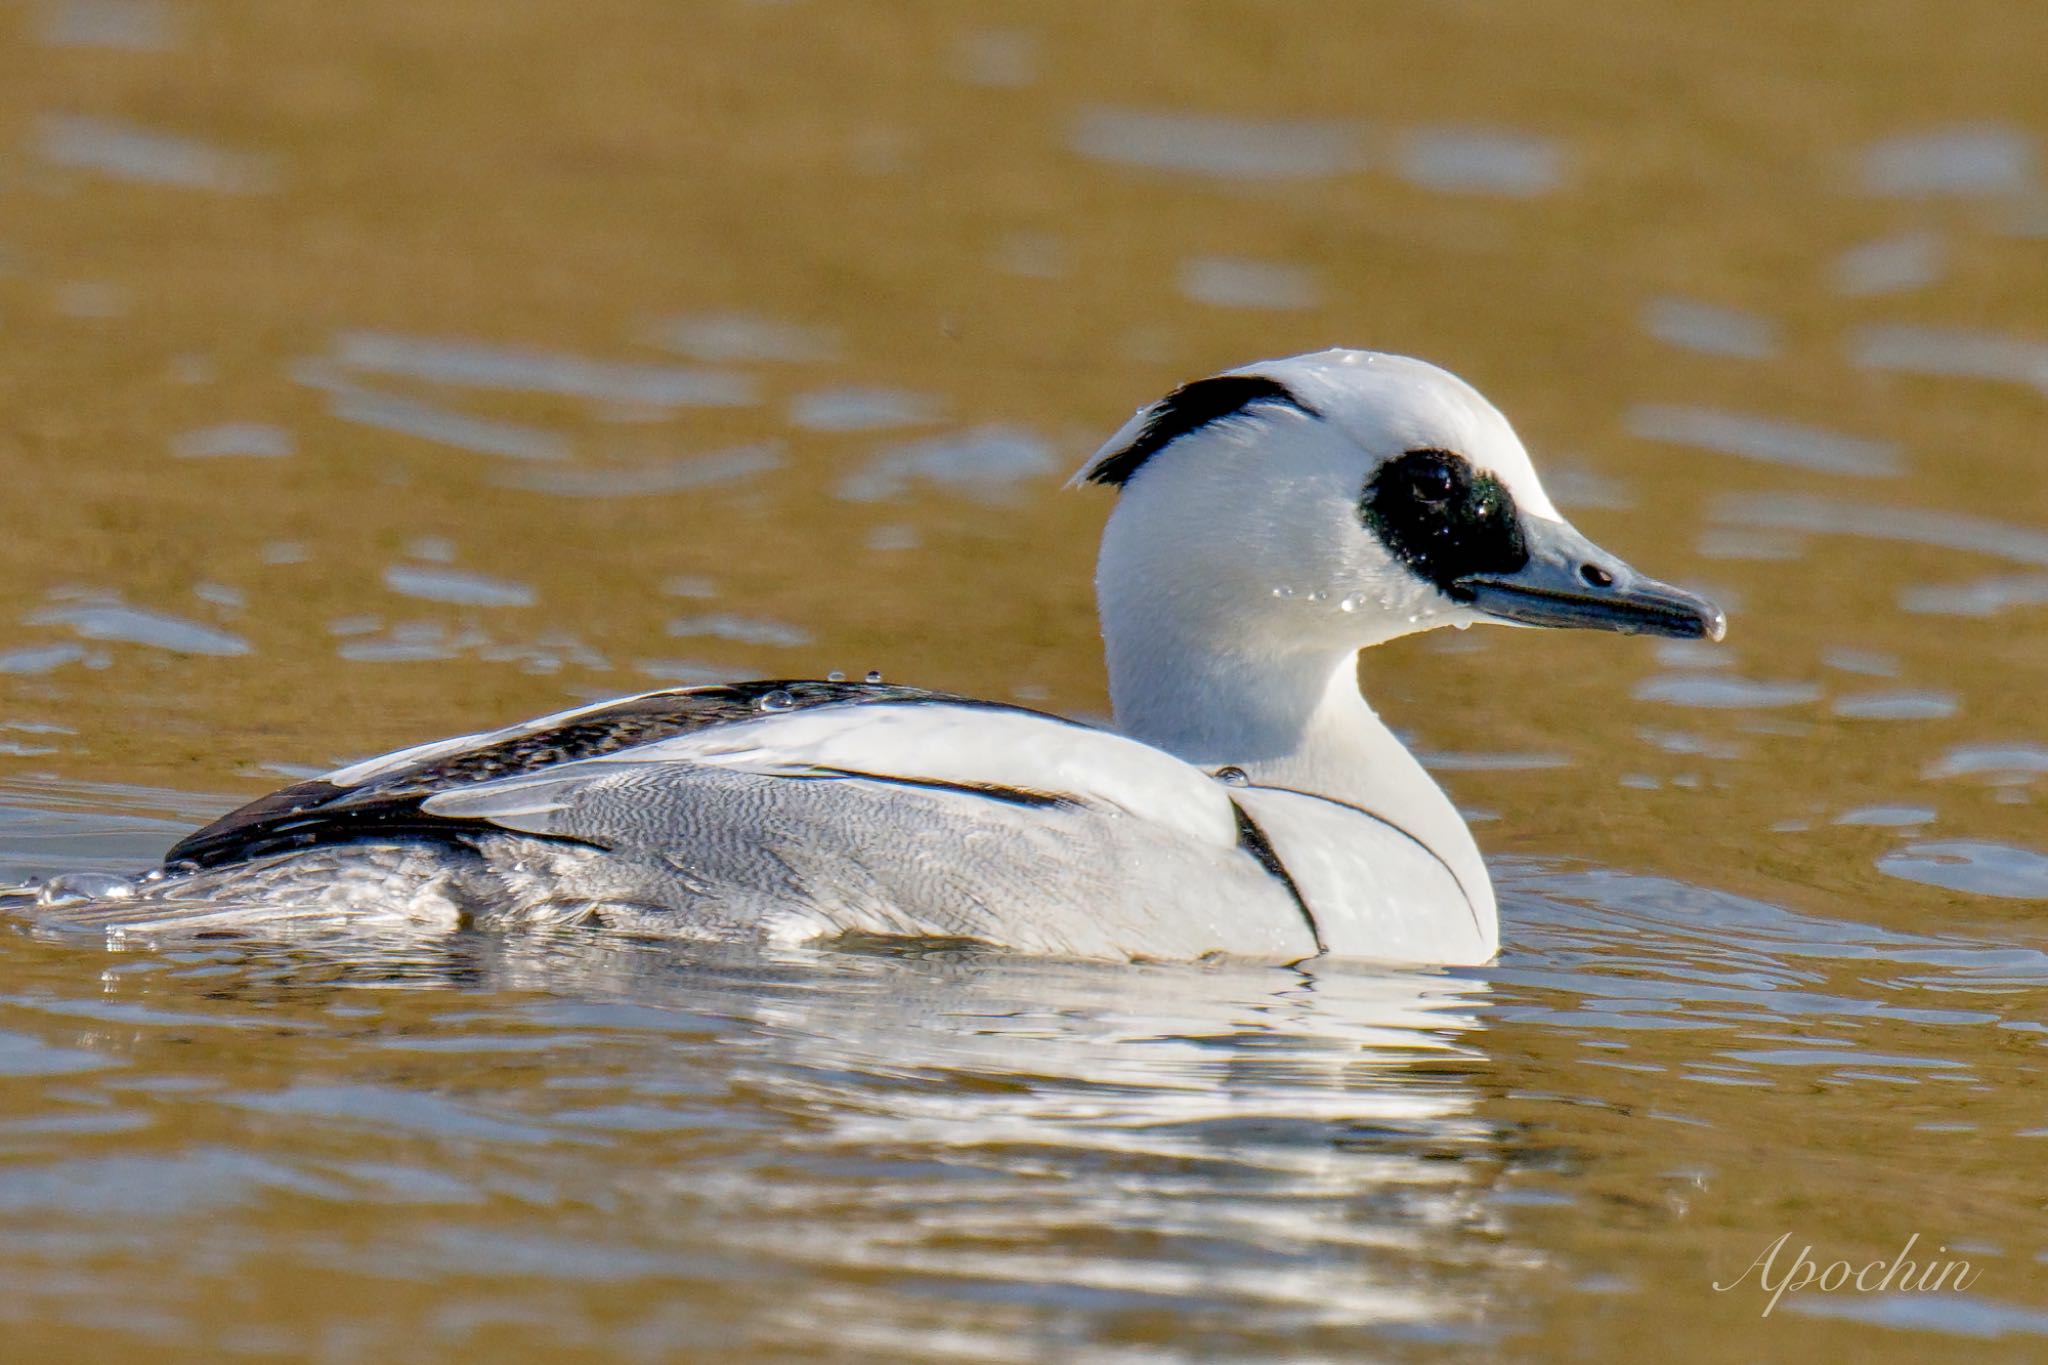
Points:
x=385, y=374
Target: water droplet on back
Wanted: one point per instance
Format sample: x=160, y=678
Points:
x=778, y=700
x=1283, y=592
x=1233, y=777
x=835, y=676
x=874, y=675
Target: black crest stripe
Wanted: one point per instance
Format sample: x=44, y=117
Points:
x=1187, y=409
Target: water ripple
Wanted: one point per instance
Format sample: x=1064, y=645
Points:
x=249, y=439
x=104, y=617
x=1711, y=329
x=984, y=462
x=2015, y=762
x=1964, y=159
x=1918, y=525
x=1717, y=691
x=1891, y=265
x=122, y=25
x=1984, y=597
x=1978, y=866
x=1964, y=352
x=1765, y=439
x=126, y=152
x=1239, y=282
x=443, y=426
x=854, y=408
x=1481, y=161
x=476, y=365
x=682, y=474
x=461, y=586
x=1217, y=146
x=732, y=338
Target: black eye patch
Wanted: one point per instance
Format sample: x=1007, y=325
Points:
x=1443, y=519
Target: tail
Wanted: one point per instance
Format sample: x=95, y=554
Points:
x=375, y=887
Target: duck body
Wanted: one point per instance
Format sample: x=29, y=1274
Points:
x=792, y=811
x=1271, y=523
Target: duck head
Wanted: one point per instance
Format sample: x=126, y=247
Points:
x=1344, y=498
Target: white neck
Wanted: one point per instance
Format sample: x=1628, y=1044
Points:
x=1288, y=720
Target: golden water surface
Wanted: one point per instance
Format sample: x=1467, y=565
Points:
x=371, y=371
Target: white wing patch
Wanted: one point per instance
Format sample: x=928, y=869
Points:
x=383, y=765
x=924, y=742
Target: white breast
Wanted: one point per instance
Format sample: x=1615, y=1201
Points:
x=1375, y=891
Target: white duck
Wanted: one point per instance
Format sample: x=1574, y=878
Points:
x=1271, y=522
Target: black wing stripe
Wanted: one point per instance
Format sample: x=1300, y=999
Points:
x=1253, y=840
x=1410, y=836
x=319, y=811
x=1012, y=796
x=354, y=826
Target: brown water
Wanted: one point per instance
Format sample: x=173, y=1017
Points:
x=370, y=372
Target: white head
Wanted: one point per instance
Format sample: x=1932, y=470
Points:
x=1284, y=515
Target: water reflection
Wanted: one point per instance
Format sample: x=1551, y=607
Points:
x=987, y=463
x=742, y=629
x=1000, y=58
x=124, y=25
x=861, y=409
x=464, y=364
x=1236, y=282
x=1220, y=147
x=1965, y=159
x=1310, y=1132
x=1481, y=161
x=2001, y=763
x=1766, y=439
x=1717, y=691
x=1891, y=265
x=1711, y=329
x=1273, y=1157
x=144, y=155
x=257, y=440
x=464, y=587
x=1887, y=816
x=1917, y=525
x=1974, y=865
x=1984, y=597
x=1917, y=349
x=641, y=478
x=1905, y=703
x=95, y=615
x=730, y=338
x=443, y=426
x=41, y=658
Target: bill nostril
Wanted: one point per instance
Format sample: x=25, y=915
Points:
x=1596, y=575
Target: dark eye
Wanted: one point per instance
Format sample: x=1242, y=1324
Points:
x=1442, y=518
x=1431, y=482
